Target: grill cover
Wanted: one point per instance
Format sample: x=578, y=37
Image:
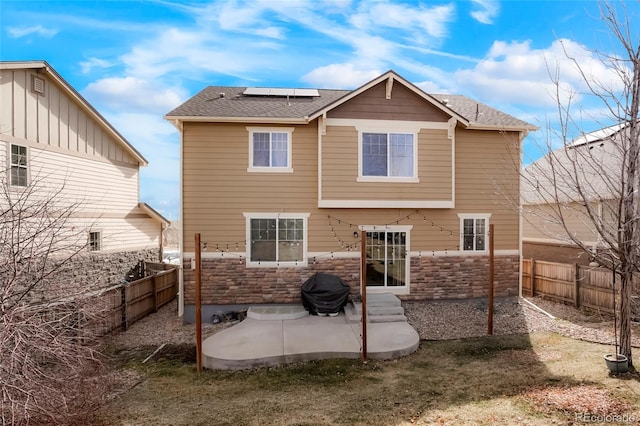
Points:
x=324, y=294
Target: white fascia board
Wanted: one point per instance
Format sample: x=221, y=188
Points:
x=387, y=125
x=386, y=204
x=177, y=120
x=472, y=126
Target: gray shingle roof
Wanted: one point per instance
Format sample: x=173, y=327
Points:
x=580, y=170
x=480, y=114
x=211, y=103
x=224, y=101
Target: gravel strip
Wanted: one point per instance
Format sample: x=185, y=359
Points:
x=433, y=320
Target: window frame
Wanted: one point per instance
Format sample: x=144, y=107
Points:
x=271, y=130
x=19, y=166
x=405, y=179
x=97, y=242
x=275, y=264
x=475, y=217
x=393, y=228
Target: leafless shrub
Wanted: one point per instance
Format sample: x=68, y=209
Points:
x=48, y=358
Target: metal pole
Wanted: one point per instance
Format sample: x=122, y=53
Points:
x=491, y=273
x=363, y=291
x=198, y=305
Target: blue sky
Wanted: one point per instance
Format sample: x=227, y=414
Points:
x=134, y=61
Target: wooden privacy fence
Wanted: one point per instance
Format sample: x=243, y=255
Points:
x=127, y=303
x=587, y=286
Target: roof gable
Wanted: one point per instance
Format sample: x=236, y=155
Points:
x=378, y=102
x=229, y=104
x=77, y=99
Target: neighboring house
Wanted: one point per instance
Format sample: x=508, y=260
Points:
x=280, y=183
x=554, y=191
x=53, y=140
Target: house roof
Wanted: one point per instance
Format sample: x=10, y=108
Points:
x=589, y=167
x=229, y=104
x=153, y=213
x=73, y=94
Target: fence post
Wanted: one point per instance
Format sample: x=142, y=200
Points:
x=576, y=278
x=533, y=277
x=123, y=306
x=154, y=283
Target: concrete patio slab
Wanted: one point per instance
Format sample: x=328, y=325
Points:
x=260, y=343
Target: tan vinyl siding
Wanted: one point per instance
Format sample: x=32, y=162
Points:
x=217, y=190
x=487, y=180
x=340, y=169
x=53, y=120
x=403, y=105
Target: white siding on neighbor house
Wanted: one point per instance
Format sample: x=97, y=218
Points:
x=105, y=195
x=100, y=187
x=129, y=233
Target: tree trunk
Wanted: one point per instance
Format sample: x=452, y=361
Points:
x=625, y=315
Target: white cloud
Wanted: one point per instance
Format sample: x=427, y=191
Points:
x=516, y=73
x=18, y=32
x=485, y=11
x=430, y=87
x=340, y=76
x=131, y=93
x=89, y=65
x=419, y=21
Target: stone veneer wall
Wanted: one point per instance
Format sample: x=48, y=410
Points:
x=103, y=269
x=230, y=282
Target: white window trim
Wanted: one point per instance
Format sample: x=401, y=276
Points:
x=393, y=228
x=289, y=131
x=388, y=131
x=305, y=242
x=27, y=167
x=486, y=217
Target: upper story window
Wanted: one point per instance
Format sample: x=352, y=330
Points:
x=388, y=156
x=270, y=149
x=19, y=165
x=276, y=239
x=474, y=229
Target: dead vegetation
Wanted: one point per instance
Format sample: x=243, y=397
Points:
x=520, y=379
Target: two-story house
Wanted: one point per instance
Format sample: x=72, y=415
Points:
x=281, y=182
x=53, y=143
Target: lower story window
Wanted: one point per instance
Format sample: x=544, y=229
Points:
x=276, y=239
x=474, y=232
x=387, y=258
x=95, y=241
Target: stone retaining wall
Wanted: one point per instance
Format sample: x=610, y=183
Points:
x=103, y=269
x=230, y=282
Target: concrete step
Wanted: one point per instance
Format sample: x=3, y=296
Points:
x=386, y=318
x=379, y=309
x=382, y=299
x=379, y=312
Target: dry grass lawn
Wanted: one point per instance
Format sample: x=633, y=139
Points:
x=539, y=379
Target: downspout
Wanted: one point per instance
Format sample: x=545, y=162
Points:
x=523, y=135
x=180, y=126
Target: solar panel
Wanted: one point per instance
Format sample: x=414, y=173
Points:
x=306, y=92
x=280, y=92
